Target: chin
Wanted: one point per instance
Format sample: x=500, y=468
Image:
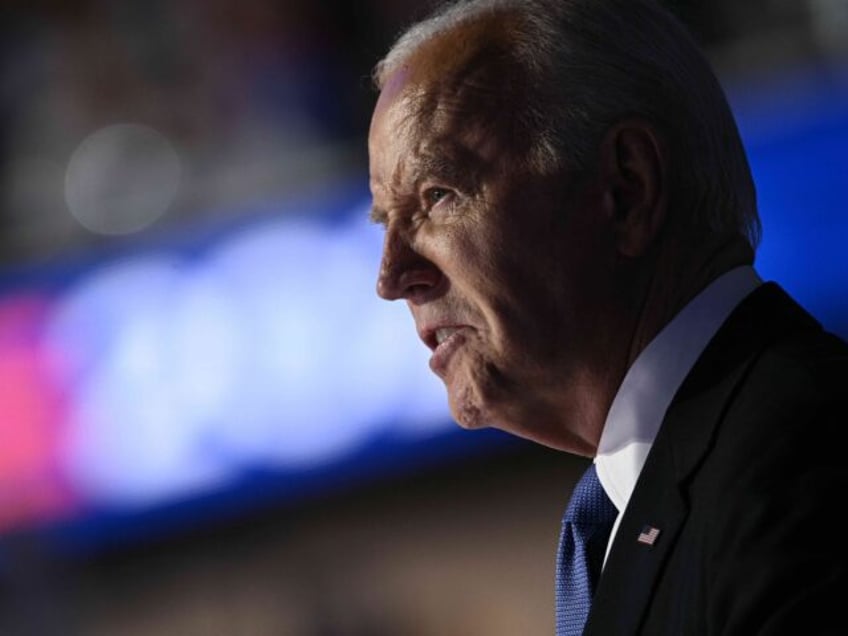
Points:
x=467, y=411
x=480, y=404
x=470, y=417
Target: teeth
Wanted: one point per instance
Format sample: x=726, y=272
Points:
x=443, y=334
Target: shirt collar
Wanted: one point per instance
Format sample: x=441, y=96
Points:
x=651, y=382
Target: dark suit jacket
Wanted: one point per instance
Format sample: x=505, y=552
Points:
x=743, y=481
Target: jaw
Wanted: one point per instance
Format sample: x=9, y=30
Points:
x=568, y=416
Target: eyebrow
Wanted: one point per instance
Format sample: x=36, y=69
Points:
x=377, y=215
x=453, y=164
x=440, y=167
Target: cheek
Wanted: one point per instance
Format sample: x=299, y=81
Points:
x=466, y=257
x=509, y=274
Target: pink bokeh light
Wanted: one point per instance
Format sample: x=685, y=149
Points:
x=32, y=489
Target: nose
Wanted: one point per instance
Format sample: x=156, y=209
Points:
x=404, y=272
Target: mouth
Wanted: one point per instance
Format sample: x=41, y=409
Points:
x=435, y=337
x=443, y=342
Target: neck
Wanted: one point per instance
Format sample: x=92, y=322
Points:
x=680, y=271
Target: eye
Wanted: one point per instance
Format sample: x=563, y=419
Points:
x=433, y=195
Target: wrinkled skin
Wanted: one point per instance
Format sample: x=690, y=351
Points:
x=518, y=268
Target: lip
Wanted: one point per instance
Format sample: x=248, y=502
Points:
x=443, y=352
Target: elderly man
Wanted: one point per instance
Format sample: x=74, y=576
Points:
x=570, y=217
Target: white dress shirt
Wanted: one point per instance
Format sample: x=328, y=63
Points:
x=648, y=387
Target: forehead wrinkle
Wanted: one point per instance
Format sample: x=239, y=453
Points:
x=465, y=112
x=448, y=134
x=441, y=146
x=483, y=91
x=400, y=116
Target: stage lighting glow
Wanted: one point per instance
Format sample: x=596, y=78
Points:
x=264, y=352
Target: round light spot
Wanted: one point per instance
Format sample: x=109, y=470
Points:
x=121, y=179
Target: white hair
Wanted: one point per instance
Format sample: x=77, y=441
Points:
x=586, y=64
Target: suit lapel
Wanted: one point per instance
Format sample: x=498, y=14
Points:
x=658, y=506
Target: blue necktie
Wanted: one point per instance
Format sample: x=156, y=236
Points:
x=586, y=528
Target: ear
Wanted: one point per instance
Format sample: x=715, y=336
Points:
x=633, y=167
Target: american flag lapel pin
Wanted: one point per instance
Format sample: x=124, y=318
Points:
x=649, y=535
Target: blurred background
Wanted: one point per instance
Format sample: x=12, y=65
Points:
x=208, y=422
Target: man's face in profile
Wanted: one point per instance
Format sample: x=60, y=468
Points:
x=504, y=269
